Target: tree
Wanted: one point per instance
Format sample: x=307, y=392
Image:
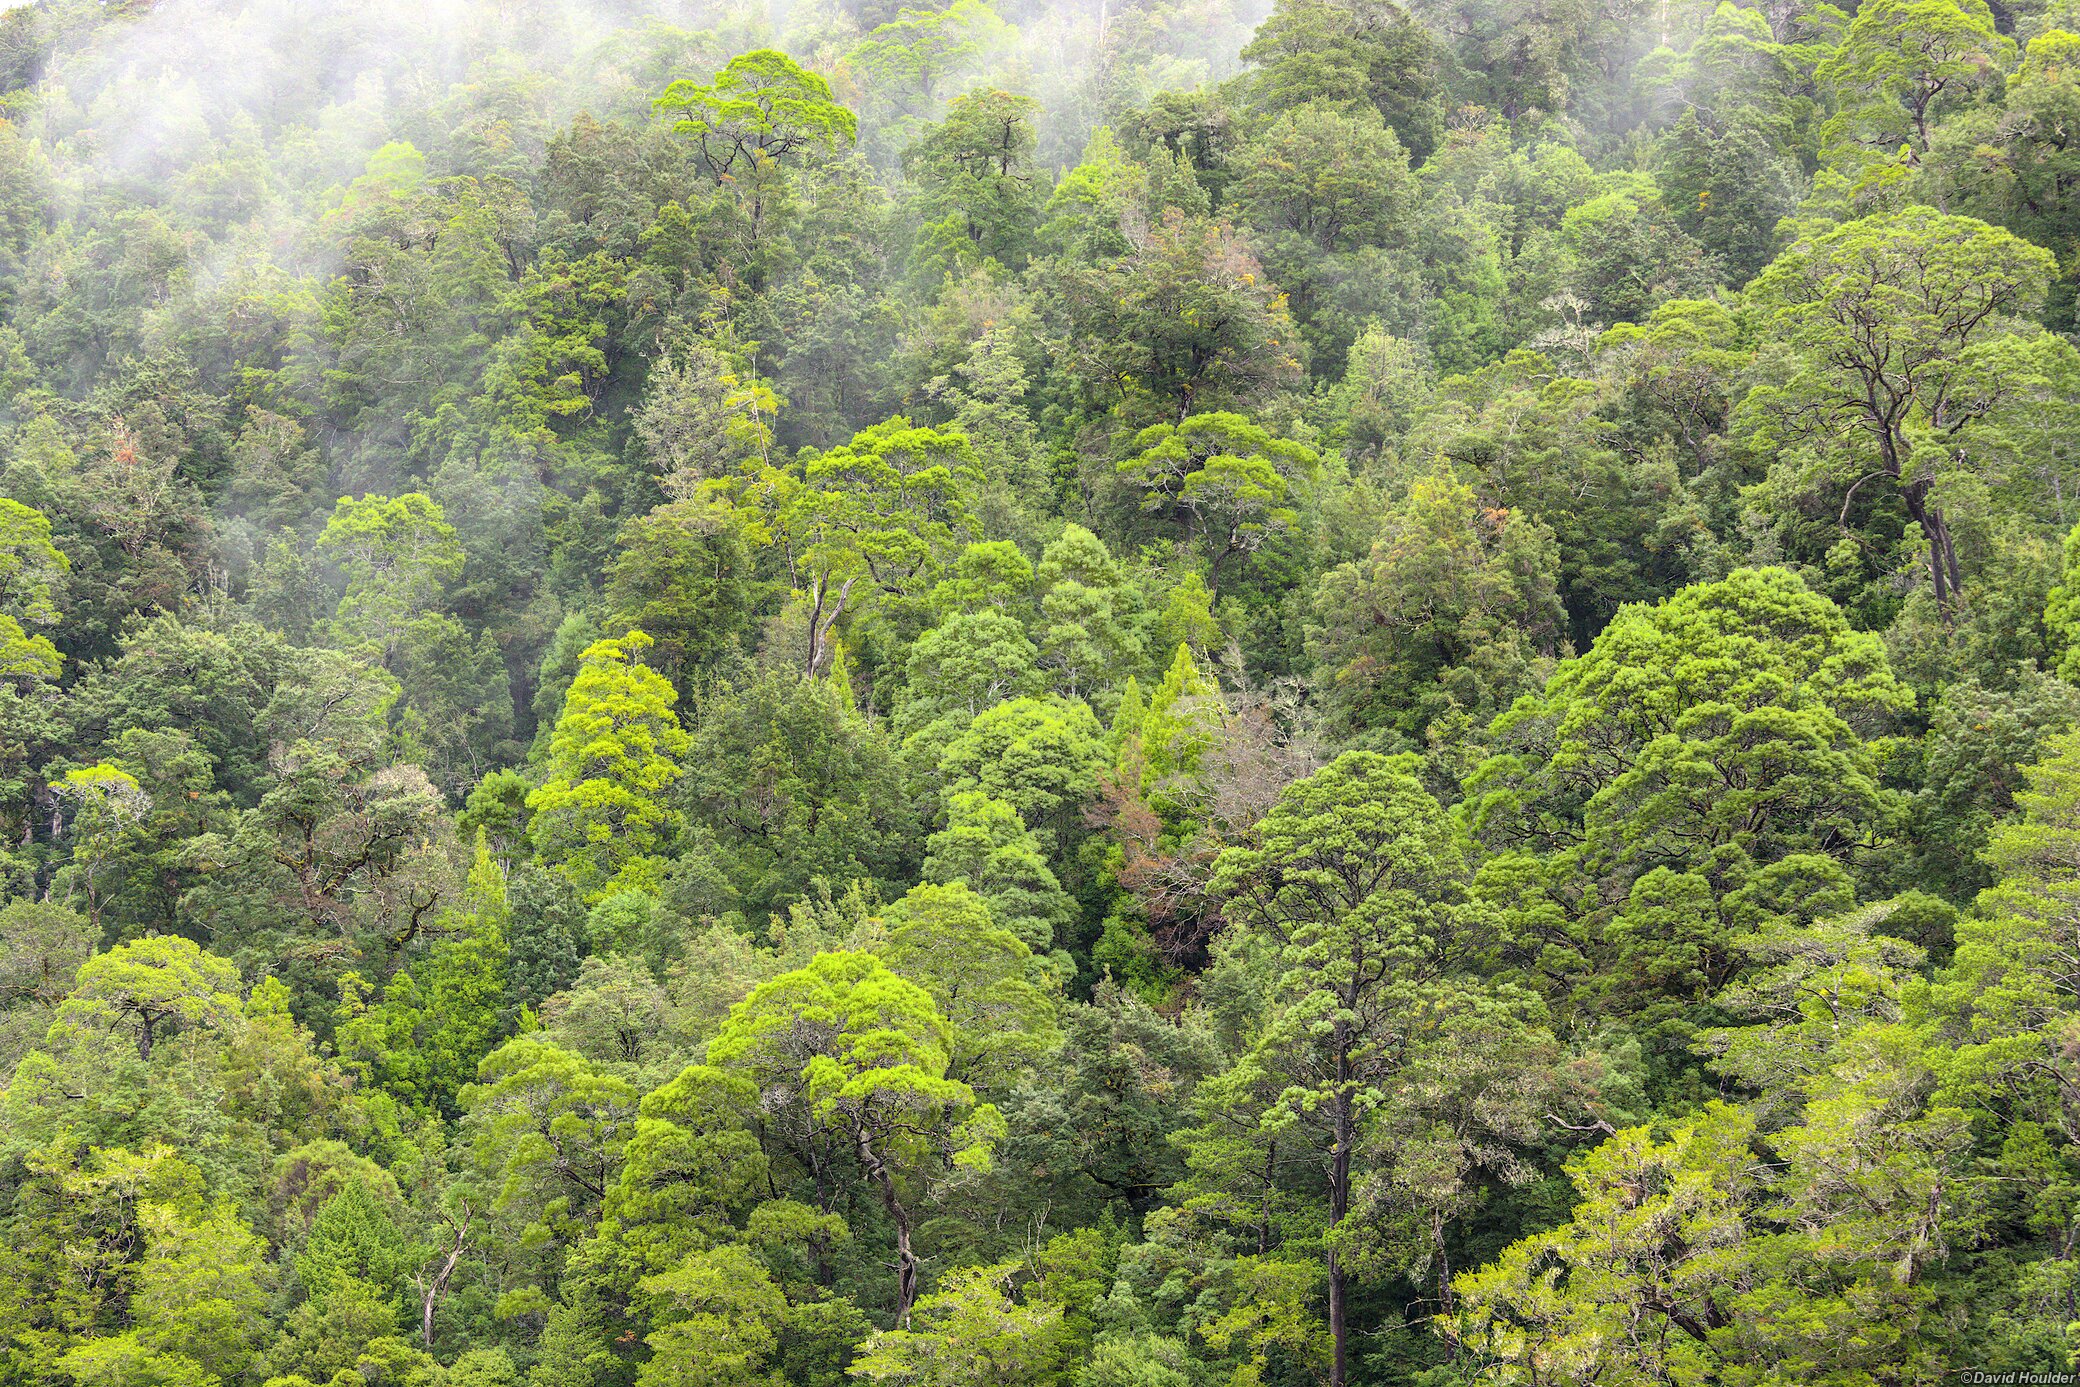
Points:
x=1524, y=58
x=1711, y=760
x=399, y=554
x=341, y=852
x=1877, y=326
x=1101, y=1109
x=1681, y=1261
x=108, y=806
x=174, y=1276
x=967, y=663
x=913, y=55
x=1729, y=185
x=1456, y=610
x=1629, y=257
x=423, y=1040
x=31, y=567
x=41, y=948
x=2010, y=989
x=969, y=1333
x=1321, y=182
x=1686, y=359
x=1346, y=51
x=549, y=1131
x=601, y=815
x=1334, y=180
x=845, y=1050
x=705, y=412
x=718, y=1316
x=1087, y=636
x=762, y=107
x=762, y=113
x=356, y=1237
x=979, y=189
x=1358, y=887
x=1902, y=61
x=891, y=509
x=981, y=977
x=1222, y=480
x=2031, y=188
x=1043, y=757
x=986, y=847
x=788, y=783
x=692, y=1167
x=1180, y=320
x=682, y=576
x=152, y=983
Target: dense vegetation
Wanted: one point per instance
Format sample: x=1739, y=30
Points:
x=1142, y=694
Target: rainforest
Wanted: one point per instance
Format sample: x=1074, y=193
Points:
x=1043, y=693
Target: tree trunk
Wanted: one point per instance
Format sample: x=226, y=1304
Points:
x=1339, y=1205
x=432, y=1288
x=1339, y=1324
x=1264, y=1204
x=823, y=615
x=906, y=1265
x=1445, y=1302
x=906, y=1257
x=1943, y=571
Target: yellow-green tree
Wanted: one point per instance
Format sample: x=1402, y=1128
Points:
x=601, y=815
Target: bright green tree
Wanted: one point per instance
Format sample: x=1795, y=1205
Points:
x=762, y=107
x=763, y=114
x=2008, y=994
x=151, y=986
x=31, y=566
x=1872, y=332
x=109, y=807
x=2062, y=612
x=1713, y=761
x=1902, y=62
x=422, y=1041
x=718, y=1316
x=982, y=978
x=1357, y=887
x=1087, y=637
x=1681, y=1261
x=971, y=1332
x=1222, y=481
x=1043, y=757
x=967, y=663
x=548, y=1130
x=889, y=512
x=846, y=1051
x=601, y=814
x=986, y=847
x=399, y=555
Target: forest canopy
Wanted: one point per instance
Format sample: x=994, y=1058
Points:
x=1042, y=693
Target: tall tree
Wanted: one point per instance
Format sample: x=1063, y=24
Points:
x=1358, y=888
x=602, y=815
x=1221, y=479
x=1876, y=327
x=846, y=1051
x=150, y=986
